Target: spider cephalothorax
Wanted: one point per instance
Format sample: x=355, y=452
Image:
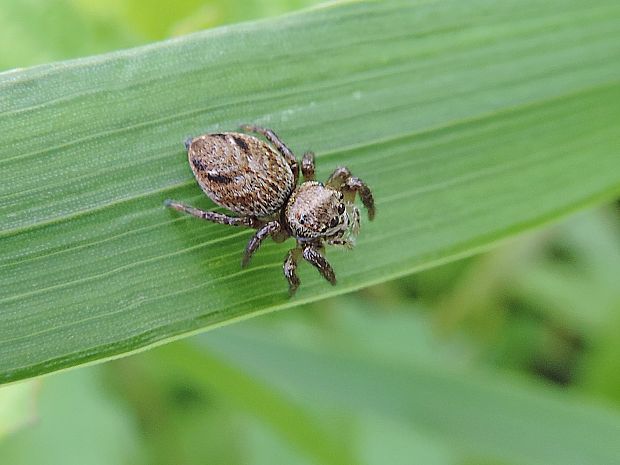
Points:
x=316, y=211
x=247, y=176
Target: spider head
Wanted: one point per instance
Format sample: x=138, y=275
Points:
x=317, y=211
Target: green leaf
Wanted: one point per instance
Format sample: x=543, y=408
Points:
x=470, y=122
x=483, y=416
x=296, y=424
x=98, y=432
x=17, y=406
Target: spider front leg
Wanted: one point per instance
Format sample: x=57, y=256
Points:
x=307, y=166
x=341, y=178
x=312, y=255
x=246, y=221
x=346, y=243
x=277, y=142
x=273, y=227
x=290, y=270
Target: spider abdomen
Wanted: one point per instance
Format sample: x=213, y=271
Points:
x=241, y=173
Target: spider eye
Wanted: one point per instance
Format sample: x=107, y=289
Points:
x=334, y=222
x=341, y=209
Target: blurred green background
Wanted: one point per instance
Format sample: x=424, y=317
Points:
x=514, y=336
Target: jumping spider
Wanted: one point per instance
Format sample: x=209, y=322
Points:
x=247, y=176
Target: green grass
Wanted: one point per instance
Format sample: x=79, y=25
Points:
x=471, y=122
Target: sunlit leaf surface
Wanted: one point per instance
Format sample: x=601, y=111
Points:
x=471, y=122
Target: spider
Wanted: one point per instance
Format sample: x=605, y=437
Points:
x=248, y=177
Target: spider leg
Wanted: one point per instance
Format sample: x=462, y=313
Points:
x=307, y=166
x=266, y=230
x=341, y=178
x=312, y=255
x=347, y=243
x=290, y=270
x=277, y=142
x=219, y=218
x=355, y=217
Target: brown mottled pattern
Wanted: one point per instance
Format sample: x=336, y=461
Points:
x=241, y=173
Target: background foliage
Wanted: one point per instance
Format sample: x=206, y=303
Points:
x=508, y=357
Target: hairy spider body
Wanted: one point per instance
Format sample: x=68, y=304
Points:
x=260, y=184
x=241, y=173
